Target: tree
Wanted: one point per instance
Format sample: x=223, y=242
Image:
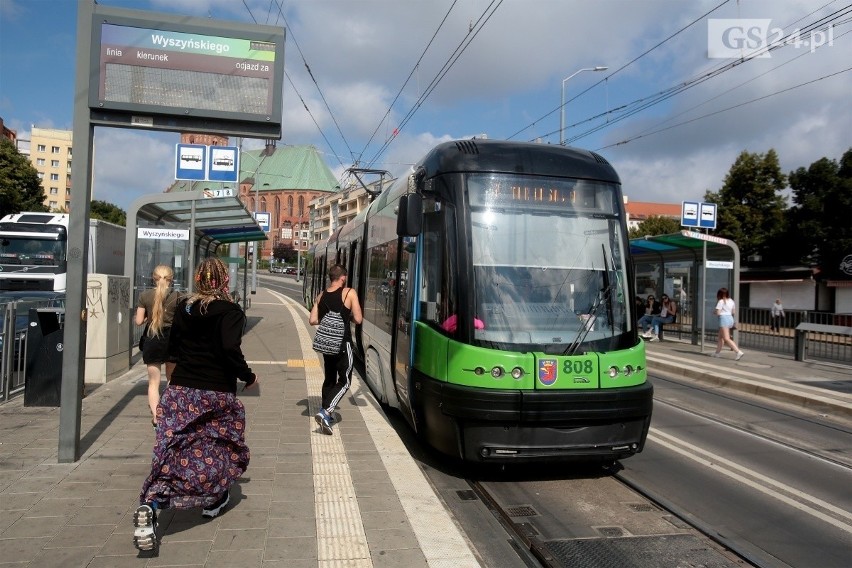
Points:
x=655, y=225
x=751, y=207
x=20, y=187
x=108, y=212
x=820, y=232
x=284, y=252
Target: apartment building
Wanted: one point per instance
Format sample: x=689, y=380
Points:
x=50, y=154
x=329, y=212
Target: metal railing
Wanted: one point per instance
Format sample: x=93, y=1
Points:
x=755, y=331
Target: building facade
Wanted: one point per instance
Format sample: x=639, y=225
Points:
x=50, y=154
x=280, y=181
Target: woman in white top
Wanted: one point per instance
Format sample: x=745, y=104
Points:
x=725, y=309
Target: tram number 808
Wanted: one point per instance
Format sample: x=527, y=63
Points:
x=578, y=367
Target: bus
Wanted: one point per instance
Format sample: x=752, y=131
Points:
x=497, y=297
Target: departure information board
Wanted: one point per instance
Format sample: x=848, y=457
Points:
x=189, y=67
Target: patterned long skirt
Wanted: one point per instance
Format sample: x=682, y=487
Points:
x=200, y=450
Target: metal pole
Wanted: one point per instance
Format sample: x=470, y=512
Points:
x=254, y=245
x=74, y=334
x=562, y=106
x=703, y=293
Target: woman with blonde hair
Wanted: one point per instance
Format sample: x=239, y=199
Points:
x=200, y=449
x=156, y=309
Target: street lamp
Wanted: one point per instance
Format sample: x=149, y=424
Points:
x=254, y=244
x=562, y=108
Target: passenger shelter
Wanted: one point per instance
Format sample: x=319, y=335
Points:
x=180, y=229
x=689, y=267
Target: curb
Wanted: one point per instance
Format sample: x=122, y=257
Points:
x=838, y=405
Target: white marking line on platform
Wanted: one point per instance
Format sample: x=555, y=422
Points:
x=250, y=363
x=753, y=479
x=425, y=511
x=341, y=539
x=444, y=548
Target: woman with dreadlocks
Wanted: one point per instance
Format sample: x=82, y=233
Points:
x=200, y=449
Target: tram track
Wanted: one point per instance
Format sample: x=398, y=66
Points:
x=537, y=550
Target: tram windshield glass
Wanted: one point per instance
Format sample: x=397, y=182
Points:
x=549, y=263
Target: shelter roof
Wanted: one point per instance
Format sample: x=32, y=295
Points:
x=683, y=245
x=218, y=220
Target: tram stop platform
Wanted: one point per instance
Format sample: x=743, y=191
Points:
x=353, y=499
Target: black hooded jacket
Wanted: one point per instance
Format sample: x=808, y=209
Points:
x=206, y=346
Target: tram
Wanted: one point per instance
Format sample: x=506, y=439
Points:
x=496, y=290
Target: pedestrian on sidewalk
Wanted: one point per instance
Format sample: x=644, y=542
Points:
x=725, y=309
x=777, y=315
x=200, y=450
x=338, y=367
x=156, y=310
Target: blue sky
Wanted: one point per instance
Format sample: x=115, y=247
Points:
x=506, y=83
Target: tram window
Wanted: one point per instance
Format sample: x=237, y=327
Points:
x=438, y=290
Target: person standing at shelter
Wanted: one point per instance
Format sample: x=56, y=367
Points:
x=200, y=449
x=338, y=367
x=777, y=313
x=725, y=309
x=156, y=308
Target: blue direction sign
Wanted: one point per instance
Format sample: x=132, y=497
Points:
x=224, y=163
x=689, y=214
x=190, y=161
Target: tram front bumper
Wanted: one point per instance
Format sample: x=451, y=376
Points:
x=505, y=425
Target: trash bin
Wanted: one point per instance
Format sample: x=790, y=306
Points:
x=43, y=379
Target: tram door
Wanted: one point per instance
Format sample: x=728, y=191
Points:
x=403, y=327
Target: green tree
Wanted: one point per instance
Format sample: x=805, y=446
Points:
x=108, y=212
x=819, y=228
x=655, y=225
x=751, y=207
x=284, y=252
x=20, y=188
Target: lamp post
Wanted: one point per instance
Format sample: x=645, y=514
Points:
x=562, y=107
x=254, y=245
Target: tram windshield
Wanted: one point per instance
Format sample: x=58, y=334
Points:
x=549, y=263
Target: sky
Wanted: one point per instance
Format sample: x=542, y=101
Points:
x=682, y=96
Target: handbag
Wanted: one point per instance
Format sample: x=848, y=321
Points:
x=144, y=335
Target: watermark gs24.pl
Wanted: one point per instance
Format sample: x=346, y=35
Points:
x=751, y=37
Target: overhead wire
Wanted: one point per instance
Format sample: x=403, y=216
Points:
x=677, y=89
x=451, y=61
x=625, y=66
x=407, y=79
x=621, y=143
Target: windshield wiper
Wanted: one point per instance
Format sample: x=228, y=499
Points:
x=604, y=297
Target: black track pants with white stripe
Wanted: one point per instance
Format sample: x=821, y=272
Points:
x=338, y=376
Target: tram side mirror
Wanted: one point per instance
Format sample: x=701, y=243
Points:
x=409, y=218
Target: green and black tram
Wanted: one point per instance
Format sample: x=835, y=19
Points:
x=496, y=290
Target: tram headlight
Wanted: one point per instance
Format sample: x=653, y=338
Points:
x=517, y=373
x=613, y=372
x=479, y=371
x=497, y=372
x=628, y=370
